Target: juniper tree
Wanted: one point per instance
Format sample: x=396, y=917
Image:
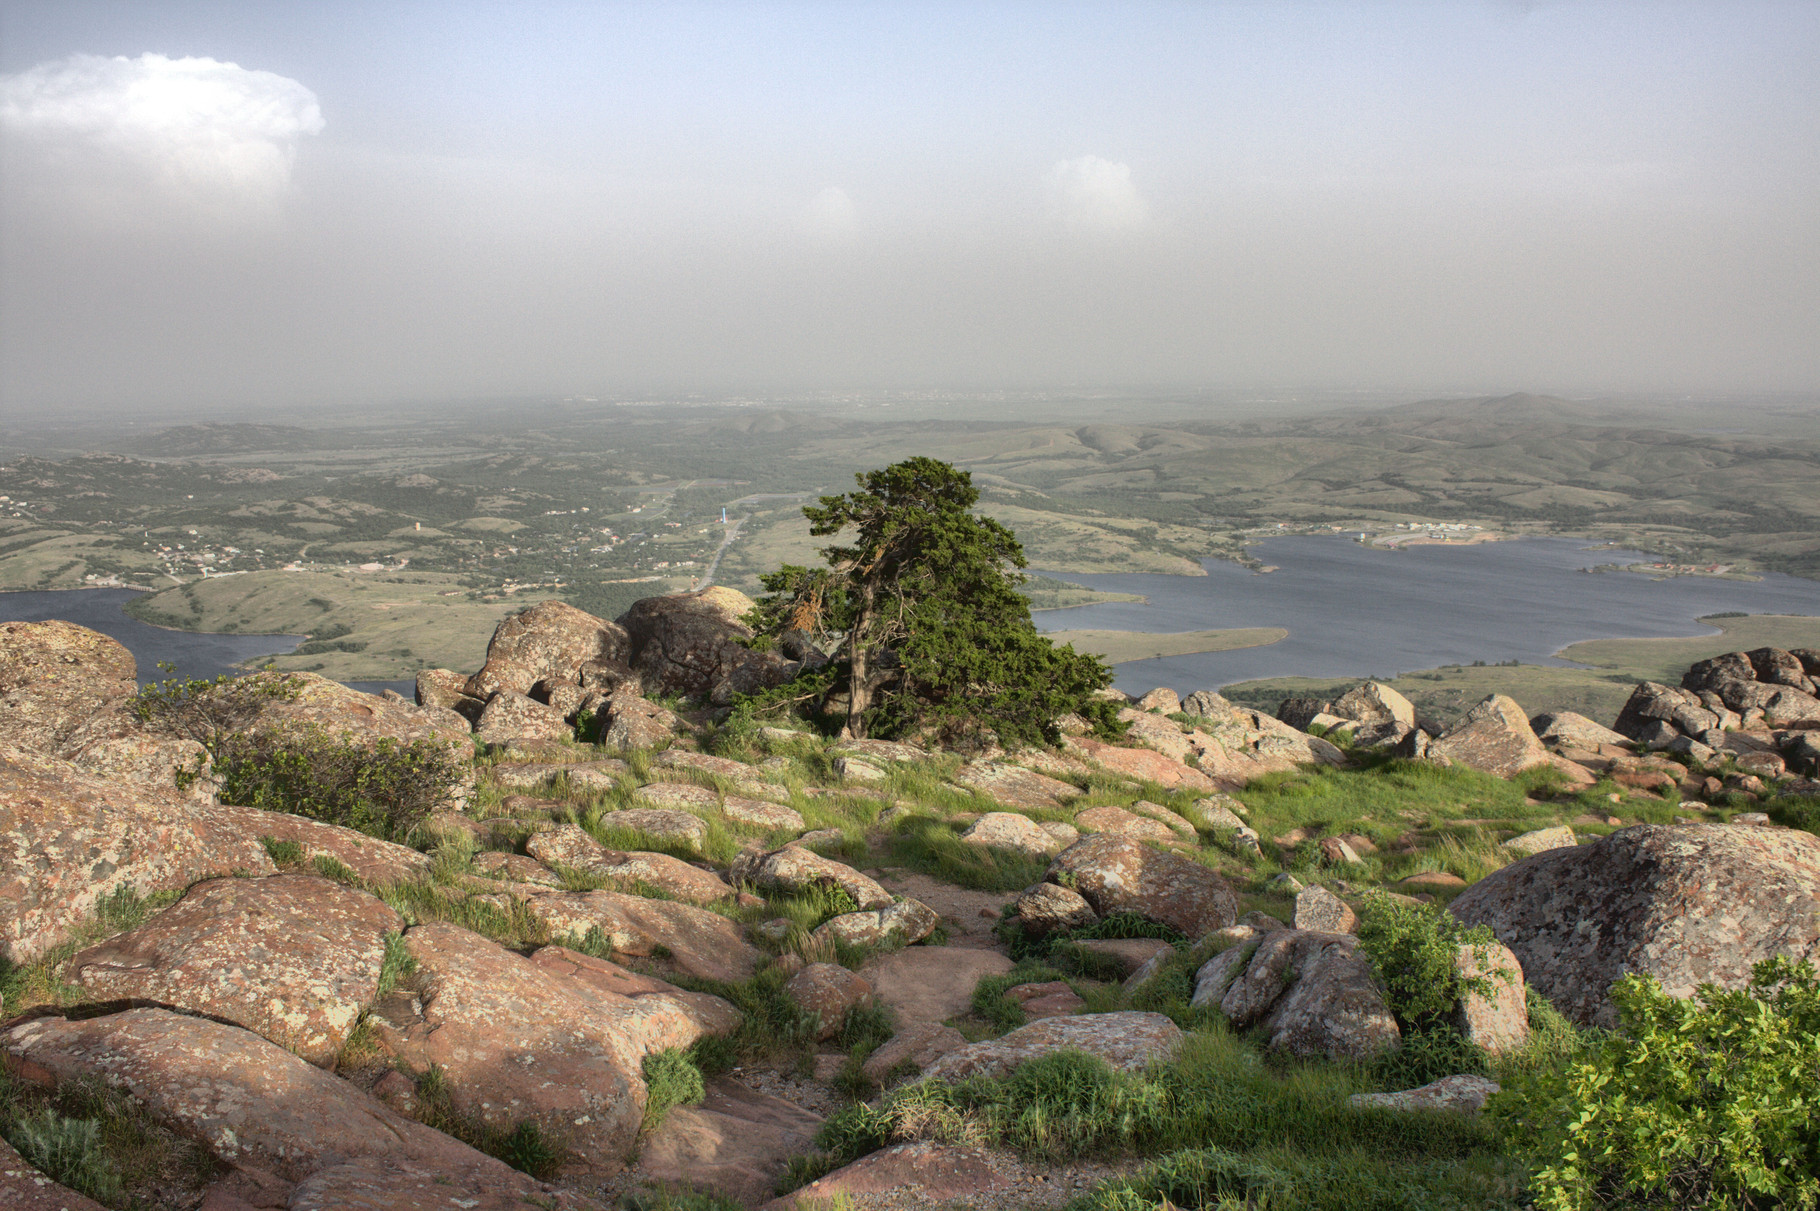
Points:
x=933, y=634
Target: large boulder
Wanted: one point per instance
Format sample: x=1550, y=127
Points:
x=1651, y=704
x=1049, y=908
x=1494, y=736
x=550, y=640
x=1142, y=763
x=1565, y=729
x=293, y=958
x=69, y=840
x=253, y=1104
x=510, y=716
x=1375, y=702
x=1766, y=679
x=1015, y=785
x=630, y=720
x=1496, y=1017
x=1012, y=832
x=1127, y=1040
x=827, y=991
x=56, y=678
x=1314, y=994
x=519, y=1043
x=1116, y=874
x=1688, y=905
x=698, y=942
x=569, y=846
x=691, y=644
x=795, y=868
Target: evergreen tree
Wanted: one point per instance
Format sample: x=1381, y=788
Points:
x=933, y=634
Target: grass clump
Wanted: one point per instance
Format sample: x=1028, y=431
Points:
x=933, y=848
x=991, y=1005
x=527, y=1146
x=100, y=1142
x=671, y=1080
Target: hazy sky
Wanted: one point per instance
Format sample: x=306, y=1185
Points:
x=295, y=203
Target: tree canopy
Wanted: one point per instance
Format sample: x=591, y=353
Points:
x=933, y=635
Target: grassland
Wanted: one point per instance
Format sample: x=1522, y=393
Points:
x=1597, y=692
x=365, y=627
x=1119, y=647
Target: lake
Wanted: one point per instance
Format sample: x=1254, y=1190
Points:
x=1358, y=611
x=195, y=653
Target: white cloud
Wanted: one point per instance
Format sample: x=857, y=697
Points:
x=1091, y=194
x=192, y=129
x=831, y=216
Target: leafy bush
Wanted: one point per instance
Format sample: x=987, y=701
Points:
x=1707, y=1102
x=671, y=1079
x=1413, y=948
x=385, y=790
x=1428, y=1055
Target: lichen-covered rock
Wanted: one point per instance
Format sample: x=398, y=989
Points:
x=510, y=716
x=1142, y=763
x=1010, y=831
x=1565, y=729
x=1495, y=737
x=517, y=1042
x=1315, y=995
x=697, y=941
x=690, y=644
x=1119, y=822
x=827, y=990
x=681, y=758
x=796, y=869
x=1015, y=785
x=633, y=721
x=1320, y=910
x=1462, y=1094
x=1651, y=704
x=904, y=923
x=567, y=845
x=1162, y=700
x=293, y=958
x=68, y=839
x=1127, y=1040
x=372, y=860
x=1162, y=815
x=1497, y=1018
x=1375, y=702
x=550, y=640
x=1542, y=840
x=250, y=1102
x=916, y=1046
x=514, y=868
x=56, y=678
x=1048, y=908
x=611, y=983
x=756, y=813
x=666, y=823
x=1687, y=904
x=1117, y=874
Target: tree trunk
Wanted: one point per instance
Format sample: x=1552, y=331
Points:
x=859, y=683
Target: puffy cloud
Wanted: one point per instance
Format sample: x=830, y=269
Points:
x=831, y=216
x=196, y=130
x=1091, y=194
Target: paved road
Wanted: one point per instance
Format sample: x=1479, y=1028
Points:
x=727, y=541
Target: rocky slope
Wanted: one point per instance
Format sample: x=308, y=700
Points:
x=338, y=1019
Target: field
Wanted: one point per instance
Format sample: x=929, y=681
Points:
x=1118, y=647
x=1597, y=692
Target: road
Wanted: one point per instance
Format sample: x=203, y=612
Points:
x=727, y=541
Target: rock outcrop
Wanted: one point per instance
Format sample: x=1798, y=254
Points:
x=1688, y=905
x=551, y=640
x=293, y=958
x=690, y=644
x=1313, y=993
x=1128, y=1040
x=1116, y=874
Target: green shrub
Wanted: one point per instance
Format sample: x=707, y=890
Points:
x=671, y=1079
x=1413, y=948
x=69, y=1151
x=1797, y=811
x=1428, y=1055
x=385, y=790
x=1707, y=1102
x=1214, y=1178
x=207, y=710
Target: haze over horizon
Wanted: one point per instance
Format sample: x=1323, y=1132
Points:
x=280, y=206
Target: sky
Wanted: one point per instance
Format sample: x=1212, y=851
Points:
x=280, y=206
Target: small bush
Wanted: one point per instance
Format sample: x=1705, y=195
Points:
x=1413, y=948
x=1705, y=1102
x=671, y=1079
x=385, y=790
x=1428, y=1055
x=204, y=711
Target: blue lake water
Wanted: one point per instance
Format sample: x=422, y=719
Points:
x=1358, y=611
x=195, y=653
